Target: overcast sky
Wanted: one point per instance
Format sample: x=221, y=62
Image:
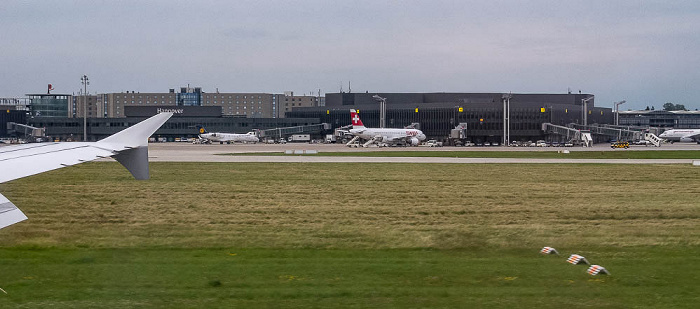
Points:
x=645, y=52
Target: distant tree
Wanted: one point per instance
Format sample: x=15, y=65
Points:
x=647, y=108
x=652, y=107
x=674, y=107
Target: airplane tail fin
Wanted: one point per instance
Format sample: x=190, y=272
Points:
x=355, y=117
x=201, y=129
x=135, y=139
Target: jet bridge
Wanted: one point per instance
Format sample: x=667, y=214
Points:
x=570, y=133
x=616, y=133
x=279, y=133
x=574, y=132
x=26, y=130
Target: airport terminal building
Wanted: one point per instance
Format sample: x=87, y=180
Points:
x=181, y=126
x=232, y=104
x=62, y=114
x=661, y=119
x=436, y=113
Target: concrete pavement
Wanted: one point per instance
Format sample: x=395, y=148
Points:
x=181, y=152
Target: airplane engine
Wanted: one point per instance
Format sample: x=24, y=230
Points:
x=414, y=141
x=687, y=140
x=378, y=138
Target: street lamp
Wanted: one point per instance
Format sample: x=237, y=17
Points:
x=85, y=82
x=617, y=111
x=382, y=110
x=584, y=106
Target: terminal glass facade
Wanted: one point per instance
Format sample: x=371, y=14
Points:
x=661, y=119
x=189, y=99
x=49, y=105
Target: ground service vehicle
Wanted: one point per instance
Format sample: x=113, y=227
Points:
x=300, y=138
x=620, y=145
x=433, y=143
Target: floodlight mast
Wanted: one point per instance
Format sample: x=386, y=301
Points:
x=85, y=82
x=506, y=118
x=617, y=111
x=584, y=107
x=382, y=110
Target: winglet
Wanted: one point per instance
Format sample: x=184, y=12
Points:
x=138, y=134
x=135, y=141
x=136, y=161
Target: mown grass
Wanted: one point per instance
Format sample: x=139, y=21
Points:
x=573, y=154
x=274, y=278
x=353, y=235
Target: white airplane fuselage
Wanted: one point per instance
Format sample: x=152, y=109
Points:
x=384, y=135
x=681, y=135
x=389, y=135
x=230, y=137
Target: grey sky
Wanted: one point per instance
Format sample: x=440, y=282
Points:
x=646, y=52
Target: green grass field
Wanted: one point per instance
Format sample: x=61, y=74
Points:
x=554, y=154
x=203, y=235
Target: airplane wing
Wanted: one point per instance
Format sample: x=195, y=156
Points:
x=30, y=159
x=394, y=139
x=129, y=147
x=694, y=136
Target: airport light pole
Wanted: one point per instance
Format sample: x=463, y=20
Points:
x=85, y=82
x=506, y=118
x=382, y=110
x=617, y=111
x=584, y=106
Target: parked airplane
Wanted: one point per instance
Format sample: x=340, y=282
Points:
x=221, y=138
x=681, y=135
x=129, y=147
x=388, y=136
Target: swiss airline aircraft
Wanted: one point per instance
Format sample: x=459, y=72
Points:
x=227, y=137
x=389, y=136
x=129, y=147
x=682, y=135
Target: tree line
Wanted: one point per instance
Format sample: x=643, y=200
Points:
x=671, y=107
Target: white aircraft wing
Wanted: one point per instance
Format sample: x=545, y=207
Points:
x=129, y=147
x=694, y=136
x=394, y=139
x=18, y=161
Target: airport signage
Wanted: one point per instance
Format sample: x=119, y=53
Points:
x=178, y=111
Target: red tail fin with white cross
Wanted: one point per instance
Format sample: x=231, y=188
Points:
x=355, y=117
